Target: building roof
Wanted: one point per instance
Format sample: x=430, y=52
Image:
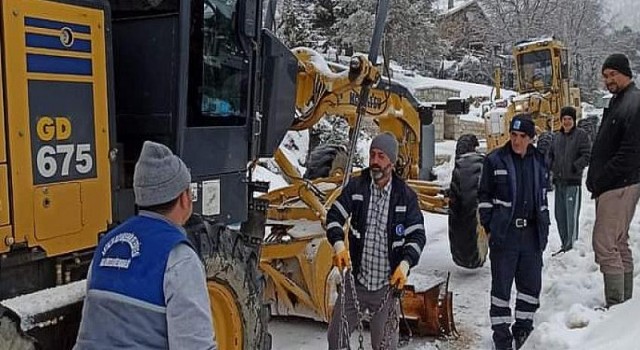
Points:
x=461, y=7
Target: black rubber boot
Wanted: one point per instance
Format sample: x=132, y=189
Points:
x=613, y=289
x=628, y=285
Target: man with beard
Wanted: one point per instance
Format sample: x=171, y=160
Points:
x=613, y=179
x=386, y=237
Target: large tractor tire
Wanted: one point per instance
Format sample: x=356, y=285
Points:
x=234, y=283
x=590, y=125
x=467, y=239
x=10, y=337
x=325, y=160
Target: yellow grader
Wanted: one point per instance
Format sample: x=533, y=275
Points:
x=544, y=87
x=296, y=256
x=85, y=82
x=542, y=70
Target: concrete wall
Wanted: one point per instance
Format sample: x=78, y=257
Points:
x=435, y=94
x=439, y=122
x=454, y=127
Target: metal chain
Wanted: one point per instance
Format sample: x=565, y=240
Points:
x=391, y=323
x=356, y=303
x=344, y=323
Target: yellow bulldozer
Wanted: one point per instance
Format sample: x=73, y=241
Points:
x=296, y=256
x=85, y=82
x=543, y=86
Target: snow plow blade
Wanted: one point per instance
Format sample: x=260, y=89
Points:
x=428, y=309
x=44, y=320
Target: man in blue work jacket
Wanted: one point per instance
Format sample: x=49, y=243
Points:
x=513, y=210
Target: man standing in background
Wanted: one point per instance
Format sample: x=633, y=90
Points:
x=614, y=177
x=569, y=155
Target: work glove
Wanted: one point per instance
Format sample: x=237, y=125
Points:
x=399, y=277
x=341, y=259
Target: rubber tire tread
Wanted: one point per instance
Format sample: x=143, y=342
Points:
x=10, y=337
x=325, y=159
x=463, y=206
x=231, y=262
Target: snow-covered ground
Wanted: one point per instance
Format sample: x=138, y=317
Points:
x=567, y=319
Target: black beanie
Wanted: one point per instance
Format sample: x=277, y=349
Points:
x=523, y=123
x=619, y=62
x=570, y=111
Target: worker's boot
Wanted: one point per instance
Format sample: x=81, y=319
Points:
x=613, y=289
x=520, y=337
x=628, y=285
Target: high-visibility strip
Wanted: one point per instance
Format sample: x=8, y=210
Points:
x=524, y=315
x=334, y=224
x=344, y=213
x=357, y=197
x=502, y=203
x=500, y=320
x=499, y=302
x=414, y=228
x=401, y=209
x=415, y=247
x=397, y=244
x=485, y=205
x=528, y=298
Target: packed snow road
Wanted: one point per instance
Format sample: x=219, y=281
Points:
x=567, y=319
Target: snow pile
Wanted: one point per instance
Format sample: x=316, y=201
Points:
x=443, y=172
x=572, y=291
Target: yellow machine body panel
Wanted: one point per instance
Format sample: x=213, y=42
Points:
x=57, y=125
x=6, y=235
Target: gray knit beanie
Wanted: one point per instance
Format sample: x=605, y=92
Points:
x=159, y=176
x=388, y=144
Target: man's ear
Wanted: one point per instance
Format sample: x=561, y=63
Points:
x=185, y=198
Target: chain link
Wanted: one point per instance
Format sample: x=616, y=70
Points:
x=391, y=324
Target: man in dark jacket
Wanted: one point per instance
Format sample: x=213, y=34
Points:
x=613, y=179
x=513, y=211
x=386, y=238
x=569, y=154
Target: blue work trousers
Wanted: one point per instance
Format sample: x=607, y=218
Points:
x=520, y=259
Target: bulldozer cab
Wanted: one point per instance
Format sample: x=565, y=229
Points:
x=186, y=76
x=536, y=71
x=542, y=66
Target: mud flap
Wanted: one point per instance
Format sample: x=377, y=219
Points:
x=231, y=260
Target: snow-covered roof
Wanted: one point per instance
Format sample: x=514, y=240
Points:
x=460, y=7
x=443, y=5
x=534, y=41
x=466, y=89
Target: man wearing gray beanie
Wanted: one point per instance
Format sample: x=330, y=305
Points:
x=613, y=179
x=386, y=238
x=146, y=287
